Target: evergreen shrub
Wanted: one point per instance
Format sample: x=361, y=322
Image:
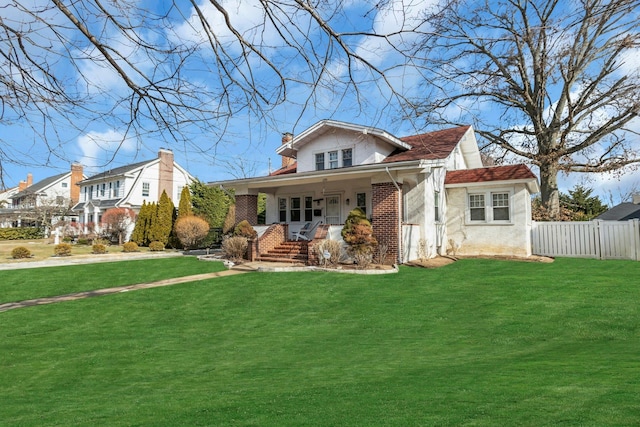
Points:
x=63, y=249
x=130, y=247
x=20, y=253
x=156, y=246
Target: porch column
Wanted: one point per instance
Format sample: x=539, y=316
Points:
x=385, y=219
x=247, y=208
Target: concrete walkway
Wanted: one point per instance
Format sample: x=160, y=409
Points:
x=108, y=291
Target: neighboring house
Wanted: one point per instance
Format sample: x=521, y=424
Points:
x=44, y=202
x=623, y=211
x=129, y=186
x=425, y=194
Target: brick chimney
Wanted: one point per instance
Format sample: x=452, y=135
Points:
x=286, y=139
x=165, y=174
x=76, y=177
x=22, y=185
x=635, y=199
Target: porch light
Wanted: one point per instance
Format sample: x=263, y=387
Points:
x=347, y=202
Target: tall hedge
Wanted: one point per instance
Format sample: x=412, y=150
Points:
x=184, y=206
x=21, y=233
x=143, y=221
x=210, y=203
x=162, y=222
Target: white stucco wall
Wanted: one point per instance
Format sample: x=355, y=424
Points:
x=366, y=148
x=465, y=238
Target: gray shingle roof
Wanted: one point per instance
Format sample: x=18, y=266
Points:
x=39, y=186
x=117, y=171
x=621, y=212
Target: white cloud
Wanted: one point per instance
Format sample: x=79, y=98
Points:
x=99, y=148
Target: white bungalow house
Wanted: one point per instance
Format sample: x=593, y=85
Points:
x=425, y=194
x=44, y=202
x=129, y=186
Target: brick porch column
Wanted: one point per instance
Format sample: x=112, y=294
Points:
x=247, y=208
x=386, y=216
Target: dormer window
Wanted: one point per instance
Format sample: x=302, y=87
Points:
x=333, y=159
x=319, y=161
x=347, y=156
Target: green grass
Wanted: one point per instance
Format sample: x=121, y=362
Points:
x=476, y=343
x=19, y=285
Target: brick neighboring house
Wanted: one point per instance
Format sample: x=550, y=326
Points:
x=425, y=194
x=45, y=202
x=129, y=186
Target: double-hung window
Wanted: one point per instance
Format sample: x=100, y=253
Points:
x=361, y=201
x=490, y=207
x=294, y=212
x=145, y=189
x=308, y=208
x=436, y=206
x=333, y=159
x=476, y=207
x=347, y=157
x=282, y=209
x=319, y=161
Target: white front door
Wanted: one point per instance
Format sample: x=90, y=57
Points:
x=332, y=216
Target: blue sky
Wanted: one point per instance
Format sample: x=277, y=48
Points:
x=246, y=143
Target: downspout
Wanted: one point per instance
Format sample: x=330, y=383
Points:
x=395, y=184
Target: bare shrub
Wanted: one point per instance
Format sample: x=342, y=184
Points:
x=333, y=248
x=381, y=253
x=234, y=247
x=362, y=257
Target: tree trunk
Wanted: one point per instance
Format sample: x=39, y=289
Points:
x=549, y=189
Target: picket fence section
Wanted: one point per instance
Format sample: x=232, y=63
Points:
x=588, y=239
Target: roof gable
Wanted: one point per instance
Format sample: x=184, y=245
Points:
x=429, y=146
x=40, y=185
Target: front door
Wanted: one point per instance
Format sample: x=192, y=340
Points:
x=332, y=216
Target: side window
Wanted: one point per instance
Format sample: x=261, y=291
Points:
x=282, y=209
x=308, y=208
x=436, y=205
x=361, y=201
x=319, y=161
x=295, y=209
x=476, y=207
x=145, y=189
x=500, y=204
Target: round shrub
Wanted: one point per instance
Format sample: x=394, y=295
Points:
x=20, y=253
x=63, y=249
x=99, y=248
x=156, y=246
x=83, y=241
x=130, y=247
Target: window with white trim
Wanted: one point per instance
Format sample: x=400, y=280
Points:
x=333, y=159
x=319, y=161
x=308, y=208
x=361, y=201
x=436, y=206
x=490, y=207
x=282, y=209
x=145, y=189
x=347, y=157
x=294, y=212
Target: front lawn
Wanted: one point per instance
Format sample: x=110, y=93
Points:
x=19, y=285
x=478, y=342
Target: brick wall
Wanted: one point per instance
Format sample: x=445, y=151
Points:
x=272, y=237
x=385, y=218
x=165, y=173
x=247, y=208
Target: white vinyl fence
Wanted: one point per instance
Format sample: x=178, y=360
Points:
x=588, y=239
